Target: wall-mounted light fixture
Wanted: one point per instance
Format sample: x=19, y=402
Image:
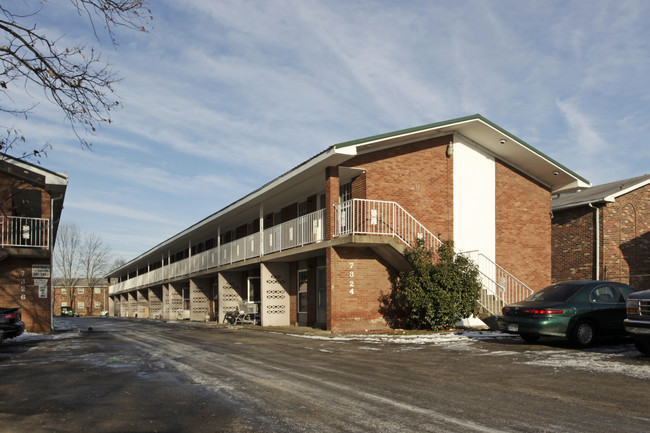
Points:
x=450, y=149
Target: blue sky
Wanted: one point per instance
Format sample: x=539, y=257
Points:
x=222, y=96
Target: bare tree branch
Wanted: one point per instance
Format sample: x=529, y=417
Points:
x=75, y=78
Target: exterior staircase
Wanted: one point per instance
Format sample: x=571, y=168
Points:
x=386, y=218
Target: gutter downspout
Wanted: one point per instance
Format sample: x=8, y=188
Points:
x=597, y=237
x=51, y=241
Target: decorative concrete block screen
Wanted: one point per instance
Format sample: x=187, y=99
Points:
x=275, y=294
x=229, y=293
x=175, y=299
x=155, y=303
x=124, y=306
x=199, y=300
x=133, y=304
x=143, y=304
x=165, y=301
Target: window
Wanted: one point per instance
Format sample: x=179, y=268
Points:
x=64, y=304
x=605, y=294
x=345, y=192
x=302, y=291
x=98, y=290
x=81, y=305
x=302, y=208
x=80, y=291
x=27, y=203
x=64, y=291
x=98, y=305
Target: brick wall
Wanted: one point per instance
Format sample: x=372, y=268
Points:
x=418, y=176
x=16, y=273
x=88, y=297
x=523, y=227
x=573, y=244
x=626, y=239
x=358, y=278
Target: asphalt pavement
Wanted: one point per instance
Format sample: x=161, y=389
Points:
x=124, y=375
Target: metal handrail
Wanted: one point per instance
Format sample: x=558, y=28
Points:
x=386, y=218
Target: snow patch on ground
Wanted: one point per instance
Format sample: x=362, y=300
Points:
x=28, y=336
x=441, y=338
x=592, y=361
x=618, y=359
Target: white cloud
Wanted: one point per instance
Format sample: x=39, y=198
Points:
x=583, y=131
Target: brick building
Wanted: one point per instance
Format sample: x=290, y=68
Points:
x=30, y=208
x=85, y=297
x=318, y=245
x=604, y=233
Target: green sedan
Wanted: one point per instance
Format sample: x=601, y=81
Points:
x=578, y=310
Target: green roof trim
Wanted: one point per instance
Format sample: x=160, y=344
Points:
x=449, y=123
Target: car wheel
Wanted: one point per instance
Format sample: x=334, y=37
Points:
x=583, y=334
x=643, y=346
x=529, y=338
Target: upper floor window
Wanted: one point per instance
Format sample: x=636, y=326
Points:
x=80, y=291
x=26, y=203
x=98, y=290
x=345, y=192
x=64, y=291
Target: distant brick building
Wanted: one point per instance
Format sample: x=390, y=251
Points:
x=86, y=298
x=319, y=245
x=604, y=233
x=31, y=200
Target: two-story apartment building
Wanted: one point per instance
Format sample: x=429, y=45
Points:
x=30, y=208
x=320, y=244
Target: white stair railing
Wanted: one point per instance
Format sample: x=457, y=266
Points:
x=386, y=218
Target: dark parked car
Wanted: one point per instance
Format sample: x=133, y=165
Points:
x=637, y=323
x=578, y=310
x=11, y=324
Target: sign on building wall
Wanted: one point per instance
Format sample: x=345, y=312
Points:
x=41, y=271
x=42, y=287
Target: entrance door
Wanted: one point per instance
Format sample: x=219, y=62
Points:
x=302, y=296
x=254, y=292
x=321, y=295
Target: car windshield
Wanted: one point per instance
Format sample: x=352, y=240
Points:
x=556, y=293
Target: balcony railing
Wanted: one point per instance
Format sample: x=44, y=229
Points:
x=357, y=216
x=24, y=232
x=301, y=231
x=386, y=218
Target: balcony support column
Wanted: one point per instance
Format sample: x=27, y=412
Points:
x=331, y=198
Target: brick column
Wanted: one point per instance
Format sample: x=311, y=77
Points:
x=331, y=198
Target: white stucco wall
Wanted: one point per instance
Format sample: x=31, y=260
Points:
x=474, y=199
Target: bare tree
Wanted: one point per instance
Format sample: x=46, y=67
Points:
x=66, y=257
x=75, y=78
x=95, y=257
x=118, y=262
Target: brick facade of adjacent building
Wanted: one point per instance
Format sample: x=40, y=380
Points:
x=84, y=300
x=624, y=234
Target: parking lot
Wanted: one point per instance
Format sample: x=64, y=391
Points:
x=121, y=375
